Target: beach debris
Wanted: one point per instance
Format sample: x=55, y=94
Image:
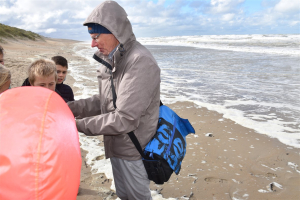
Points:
x=159, y=190
x=192, y=174
x=273, y=169
x=110, y=194
x=294, y=166
x=187, y=196
x=271, y=187
x=238, y=182
x=101, y=157
x=209, y=135
x=195, y=136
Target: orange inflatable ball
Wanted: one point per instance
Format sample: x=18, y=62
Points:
x=39, y=146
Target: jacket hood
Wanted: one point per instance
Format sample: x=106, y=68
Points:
x=113, y=17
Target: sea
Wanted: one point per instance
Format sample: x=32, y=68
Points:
x=253, y=80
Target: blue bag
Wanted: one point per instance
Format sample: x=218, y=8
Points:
x=169, y=141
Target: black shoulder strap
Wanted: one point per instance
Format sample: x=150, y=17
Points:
x=131, y=134
x=113, y=90
x=136, y=143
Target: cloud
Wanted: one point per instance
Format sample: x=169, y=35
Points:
x=228, y=17
x=287, y=6
x=63, y=19
x=224, y=6
x=50, y=30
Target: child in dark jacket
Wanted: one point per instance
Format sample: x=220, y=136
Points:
x=65, y=91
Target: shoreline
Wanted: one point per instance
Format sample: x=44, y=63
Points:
x=224, y=160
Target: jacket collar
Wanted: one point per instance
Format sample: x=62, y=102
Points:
x=102, y=59
x=117, y=56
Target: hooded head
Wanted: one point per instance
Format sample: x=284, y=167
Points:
x=112, y=18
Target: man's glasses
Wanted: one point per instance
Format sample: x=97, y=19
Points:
x=96, y=37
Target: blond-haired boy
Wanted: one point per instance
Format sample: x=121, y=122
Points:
x=42, y=73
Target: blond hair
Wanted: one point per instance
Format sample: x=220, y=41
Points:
x=41, y=67
x=4, y=75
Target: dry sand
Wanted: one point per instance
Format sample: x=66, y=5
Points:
x=223, y=161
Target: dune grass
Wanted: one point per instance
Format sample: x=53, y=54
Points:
x=8, y=32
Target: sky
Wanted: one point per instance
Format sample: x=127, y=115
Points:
x=155, y=18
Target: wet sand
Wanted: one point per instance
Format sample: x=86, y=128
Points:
x=223, y=160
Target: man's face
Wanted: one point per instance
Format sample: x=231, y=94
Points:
x=104, y=42
x=45, y=81
x=61, y=73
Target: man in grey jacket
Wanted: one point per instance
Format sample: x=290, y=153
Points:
x=135, y=75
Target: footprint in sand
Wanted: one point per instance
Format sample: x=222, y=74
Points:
x=271, y=175
x=215, y=180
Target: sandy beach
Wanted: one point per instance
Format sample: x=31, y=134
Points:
x=224, y=160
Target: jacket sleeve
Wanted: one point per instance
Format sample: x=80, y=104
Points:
x=139, y=85
x=85, y=107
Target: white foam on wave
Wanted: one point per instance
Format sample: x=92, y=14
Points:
x=91, y=145
x=81, y=70
x=275, y=128
x=245, y=43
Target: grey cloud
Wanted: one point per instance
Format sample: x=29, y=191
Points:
x=181, y=17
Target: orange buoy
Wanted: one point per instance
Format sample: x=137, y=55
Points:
x=39, y=146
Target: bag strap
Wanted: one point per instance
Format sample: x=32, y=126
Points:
x=131, y=134
x=136, y=143
x=113, y=90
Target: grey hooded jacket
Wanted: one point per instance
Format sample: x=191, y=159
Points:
x=136, y=77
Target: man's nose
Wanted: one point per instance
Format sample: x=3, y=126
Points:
x=94, y=43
